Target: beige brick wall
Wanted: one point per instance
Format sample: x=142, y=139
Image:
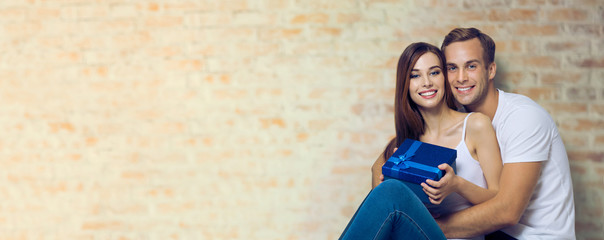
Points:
x=251, y=119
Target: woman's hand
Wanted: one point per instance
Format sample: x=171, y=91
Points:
x=438, y=190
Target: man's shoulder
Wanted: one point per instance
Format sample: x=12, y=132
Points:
x=524, y=129
x=516, y=105
x=518, y=100
x=520, y=115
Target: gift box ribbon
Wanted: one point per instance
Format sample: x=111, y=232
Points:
x=403, y=161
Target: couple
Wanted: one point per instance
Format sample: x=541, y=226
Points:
x=529, y=196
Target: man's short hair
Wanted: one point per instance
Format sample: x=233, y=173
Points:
x=464, y=34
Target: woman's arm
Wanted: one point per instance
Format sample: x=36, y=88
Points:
x=482, y=143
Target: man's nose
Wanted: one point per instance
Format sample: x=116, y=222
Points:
x=462, y=75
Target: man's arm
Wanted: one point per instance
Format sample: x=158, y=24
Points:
x=518, y=180
x=376, y=171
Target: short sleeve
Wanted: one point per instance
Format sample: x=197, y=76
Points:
x=527, y=135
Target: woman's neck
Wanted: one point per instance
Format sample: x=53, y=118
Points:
x=437, y=120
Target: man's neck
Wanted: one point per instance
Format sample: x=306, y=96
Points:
x=488, y=105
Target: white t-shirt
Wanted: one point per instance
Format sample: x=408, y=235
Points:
x=527, y=133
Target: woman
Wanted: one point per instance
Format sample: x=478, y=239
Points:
x=425, y=111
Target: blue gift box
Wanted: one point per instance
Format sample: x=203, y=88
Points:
x=414, y=162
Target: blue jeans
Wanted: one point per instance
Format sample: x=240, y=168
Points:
x=392, y=211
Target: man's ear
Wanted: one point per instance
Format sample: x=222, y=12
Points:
x=492, y=70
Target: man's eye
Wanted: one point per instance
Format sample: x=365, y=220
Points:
x=451, y=68
x=472, y=66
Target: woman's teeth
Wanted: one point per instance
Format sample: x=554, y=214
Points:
x=428, y=93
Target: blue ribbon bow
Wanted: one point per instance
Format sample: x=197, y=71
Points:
x=402, y=161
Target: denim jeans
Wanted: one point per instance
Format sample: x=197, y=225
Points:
x=392, y=211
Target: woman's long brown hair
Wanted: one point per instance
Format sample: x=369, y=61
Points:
x=408, y=121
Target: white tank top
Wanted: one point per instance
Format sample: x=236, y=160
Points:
x=467, y=168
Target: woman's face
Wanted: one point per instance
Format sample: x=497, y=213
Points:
x=427, y=82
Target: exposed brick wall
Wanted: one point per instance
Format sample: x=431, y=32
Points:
x=251, y=119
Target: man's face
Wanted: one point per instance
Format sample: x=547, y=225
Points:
x=467, y=72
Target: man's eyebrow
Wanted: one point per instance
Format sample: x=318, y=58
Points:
x=472, y=61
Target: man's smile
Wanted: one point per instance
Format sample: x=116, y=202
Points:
x=464, y=89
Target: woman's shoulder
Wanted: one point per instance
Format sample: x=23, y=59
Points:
x=478, y=121
x=479, y=130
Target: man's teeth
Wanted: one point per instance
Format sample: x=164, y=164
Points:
x=464, y=89
x=428, y=93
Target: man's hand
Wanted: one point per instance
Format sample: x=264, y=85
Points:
x=376, y=170
x=381, y=178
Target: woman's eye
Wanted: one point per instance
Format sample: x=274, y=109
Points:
x=413, y=76
x=434, y=73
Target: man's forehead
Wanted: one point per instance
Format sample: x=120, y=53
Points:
x=465, y=51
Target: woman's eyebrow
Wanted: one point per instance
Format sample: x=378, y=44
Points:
x=435, y=66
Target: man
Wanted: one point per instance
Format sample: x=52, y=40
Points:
x=535, y=198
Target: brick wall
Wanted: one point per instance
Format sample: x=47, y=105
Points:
x=251, y=119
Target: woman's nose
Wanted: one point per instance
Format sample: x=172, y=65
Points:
x=426, y=81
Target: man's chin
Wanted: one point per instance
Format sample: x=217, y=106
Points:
x=465, y=100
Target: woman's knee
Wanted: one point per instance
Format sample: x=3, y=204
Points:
x=394, y=190
x=391, y=185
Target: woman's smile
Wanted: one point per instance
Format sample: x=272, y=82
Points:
x=428, y=94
